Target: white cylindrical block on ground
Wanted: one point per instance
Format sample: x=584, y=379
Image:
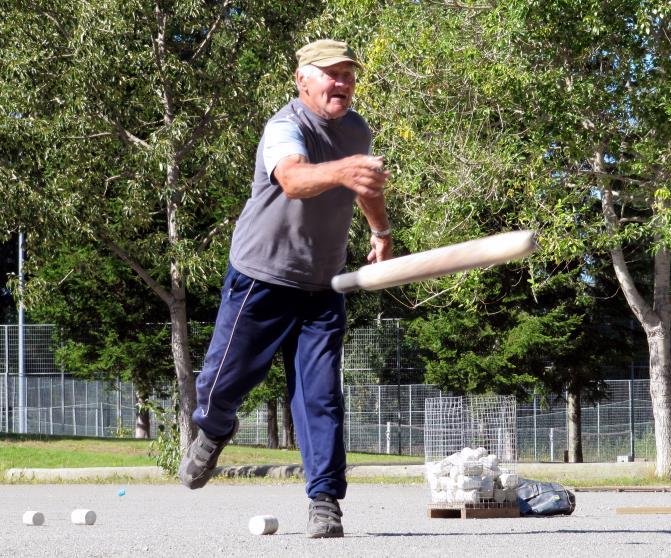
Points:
x=33, y=518
x=263, y=524
x=83, y=517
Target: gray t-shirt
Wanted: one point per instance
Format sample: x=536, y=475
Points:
x=298, y=242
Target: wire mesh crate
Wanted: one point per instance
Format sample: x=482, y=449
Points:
x=470, y=447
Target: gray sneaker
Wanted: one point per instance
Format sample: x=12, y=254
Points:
x=324, y=518
x=201, y=458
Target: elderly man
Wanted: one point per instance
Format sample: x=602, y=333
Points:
x=312, y=165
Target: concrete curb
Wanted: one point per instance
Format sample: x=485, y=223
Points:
x=288, y=471
x=83, y=473
x=585, y=471
x=239, y=471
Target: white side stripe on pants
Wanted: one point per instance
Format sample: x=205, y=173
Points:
x=228, y=346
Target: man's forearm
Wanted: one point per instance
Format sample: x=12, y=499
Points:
x=300, y=179
x=359, y=173
x=375, y=212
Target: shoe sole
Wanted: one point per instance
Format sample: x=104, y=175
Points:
x=201, y=480
x=325, y=535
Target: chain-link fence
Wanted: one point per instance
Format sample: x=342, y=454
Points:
x=376, y=355
x=58, y=404
x=379, y=418
x=386, y=419
x=620, y=424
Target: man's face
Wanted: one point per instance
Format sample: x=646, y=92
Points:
x=328, y=91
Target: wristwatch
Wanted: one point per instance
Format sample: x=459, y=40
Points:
x=381, y=234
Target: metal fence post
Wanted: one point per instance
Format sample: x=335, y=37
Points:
x=379, y=419
x=388, y=437
x=567, y=417
x=410, y=418
x=631, y=417
x=51, y=405
x=63, y=398
x=398, y=383
x=119, y=420
x=23, y=398
x=258, y=426
x=349, y=418
x=39, y=406
x=86, y=409
x=7, y=377
x=97, y=401
x=74, y=414
x=535, y=430
x=598, y=431
x=552, y=444
x=62, y=370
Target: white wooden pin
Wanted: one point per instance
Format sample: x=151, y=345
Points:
x=263, y=524
x=33, y=518
x=83, y=517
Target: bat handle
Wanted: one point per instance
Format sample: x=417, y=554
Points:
x=346, y=282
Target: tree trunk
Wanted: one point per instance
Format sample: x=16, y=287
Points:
x=659, y=344
x=273, y=438
x=289, y=435
x=655, y=319
x=142, y=421
x=186, y=383
x=574, y=425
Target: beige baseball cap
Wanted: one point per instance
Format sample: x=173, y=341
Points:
x=326, y=52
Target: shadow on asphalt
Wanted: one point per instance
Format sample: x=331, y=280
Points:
x=499, y=533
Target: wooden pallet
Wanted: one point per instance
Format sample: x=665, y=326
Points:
x=438, y=511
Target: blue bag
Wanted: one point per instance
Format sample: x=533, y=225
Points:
x=544, y=498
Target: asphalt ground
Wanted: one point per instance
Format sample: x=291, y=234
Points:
x=380, y=520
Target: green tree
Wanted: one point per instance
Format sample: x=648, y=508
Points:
x=130, y=127
x=552, y=116
x=8, y=267
x=597, y=111
x=273, y=393
x=529, y=114
x=109, y=329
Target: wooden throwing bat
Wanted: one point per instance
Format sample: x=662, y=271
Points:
x=482, y=252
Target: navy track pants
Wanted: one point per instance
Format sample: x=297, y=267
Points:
x=255, y=320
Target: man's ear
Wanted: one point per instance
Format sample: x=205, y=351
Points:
x=301, y=81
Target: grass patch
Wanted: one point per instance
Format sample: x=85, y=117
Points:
x=40, y=451
x=247, y=455
x=605, y=482
x=43, y=452
x=33, y=457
